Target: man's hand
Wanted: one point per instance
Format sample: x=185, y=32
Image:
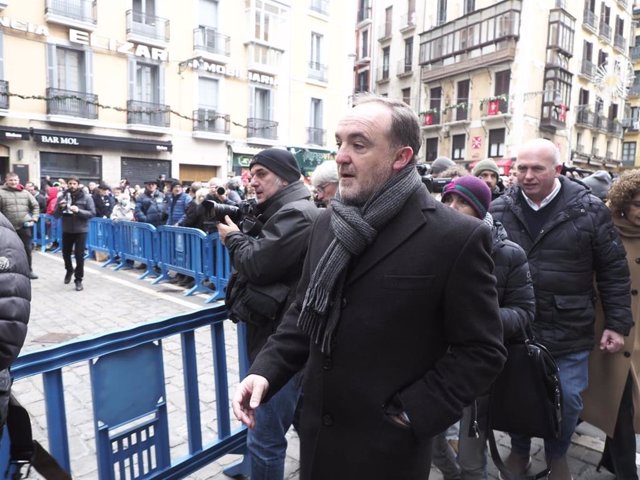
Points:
x=226, y=227
x=611, y=341
x=247, y=398
x=74, y=208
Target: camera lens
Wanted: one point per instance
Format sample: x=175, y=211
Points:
x=221, y=191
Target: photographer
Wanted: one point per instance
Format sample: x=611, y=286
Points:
x=266, y=268
x=218, y=193
x=76, y=208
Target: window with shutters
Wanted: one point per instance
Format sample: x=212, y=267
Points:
x=70, y=82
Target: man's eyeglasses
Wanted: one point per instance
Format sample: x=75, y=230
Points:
x=322, y=188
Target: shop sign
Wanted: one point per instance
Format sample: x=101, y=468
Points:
x=113, y=45
x=22, y=26
x=59, y=140
x=229, y=71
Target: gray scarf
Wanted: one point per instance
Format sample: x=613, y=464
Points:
x=354, y=228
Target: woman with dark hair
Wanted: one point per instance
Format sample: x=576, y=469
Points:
x=611, y=402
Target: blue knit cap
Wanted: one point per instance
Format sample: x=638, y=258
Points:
x=475, y=191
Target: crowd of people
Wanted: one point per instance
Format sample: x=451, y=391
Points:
x=377, y=312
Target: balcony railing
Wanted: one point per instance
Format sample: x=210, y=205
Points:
x=262, y=128
x=605, y=30
x=148, y=26
x=430, y=118
x=383, y=74
x=614, y=127
x=146, y=113
x=209, y=40
x=600, y=122
x=405, y=67
x=72, y=103
x=590, y=20
x=584, y=116
x=458, y=112
x=315, y=136
x=4, y=94
x=408, y=20
x=498, y=106
x=211, y=121
x=320, y=6
x=619, y=42
x=364, y=14
x=318, y=71
x=588, y=68
x=79, y=10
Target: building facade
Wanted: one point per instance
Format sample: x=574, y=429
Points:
x=191, y=89
x=486, y=76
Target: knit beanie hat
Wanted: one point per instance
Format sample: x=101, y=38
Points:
x=484, y=165
x=473, y=190
x=440, y=164
x=280, y=162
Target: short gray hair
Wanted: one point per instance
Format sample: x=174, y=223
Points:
x=326, y=172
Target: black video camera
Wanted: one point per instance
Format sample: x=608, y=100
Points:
x=433, y=184
x=244, y=214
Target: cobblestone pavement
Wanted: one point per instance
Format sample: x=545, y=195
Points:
x=114, y=300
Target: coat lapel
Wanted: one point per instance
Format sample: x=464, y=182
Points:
x=394, y=234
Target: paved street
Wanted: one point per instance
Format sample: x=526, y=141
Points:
x=114, y=300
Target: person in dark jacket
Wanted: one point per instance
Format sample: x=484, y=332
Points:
x=15, y=306
x=76, y=209
x=150, y=205
x=267, y=263
x=472, y=196
x=176, y=203
x=103, y=200
x=391, y=350
x=568, y=235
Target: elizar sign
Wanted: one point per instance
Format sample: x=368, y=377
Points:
x=90, y=39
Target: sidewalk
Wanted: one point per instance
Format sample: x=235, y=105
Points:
x=113, y=300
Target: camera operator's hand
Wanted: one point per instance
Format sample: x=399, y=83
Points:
x=226, y=227
x=74, y=208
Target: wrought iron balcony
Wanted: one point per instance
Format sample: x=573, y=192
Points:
x=211, y=121
x=590, y=20
x=4, y=94
x=584, y=116
x=600, y=122
x=614, y=127
x=320, y=6
x=78, y=10
x=262, y=128
x=458, y=112
x=315, y=136
x=318, y=71
x=605, y=30
x=146, y=113
x=209, y=40
x=430, y=118
x=148, y=26
x=588, y=68
x=494, y=106
x=72, y=103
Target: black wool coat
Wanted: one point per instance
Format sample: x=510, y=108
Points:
x=419, y=324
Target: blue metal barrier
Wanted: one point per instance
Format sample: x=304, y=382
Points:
x=48, y=230
x=218, y=268
x=182, y=250
x=129, y=398
x=137, y=241
x=101, y=238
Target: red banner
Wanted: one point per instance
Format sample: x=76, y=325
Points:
x=494, y=107
x=428, y=119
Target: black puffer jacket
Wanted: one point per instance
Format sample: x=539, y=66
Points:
x=15, y=305
x=75, y=222
x=269, y=262
x=513, y=282
x=576, y=242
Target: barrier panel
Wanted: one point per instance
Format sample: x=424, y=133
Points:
x=137, y=242
x=130, y=372
x=101, y=238
x=219, y=268
x=48, y=230
x=183, y=250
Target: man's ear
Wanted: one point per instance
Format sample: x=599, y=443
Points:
x=402, y=158
x=558, y=169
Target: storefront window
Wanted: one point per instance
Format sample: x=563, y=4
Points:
x=88, y=168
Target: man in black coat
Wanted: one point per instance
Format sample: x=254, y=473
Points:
x=395, y=320
x=569, y=238
x=267, y=257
